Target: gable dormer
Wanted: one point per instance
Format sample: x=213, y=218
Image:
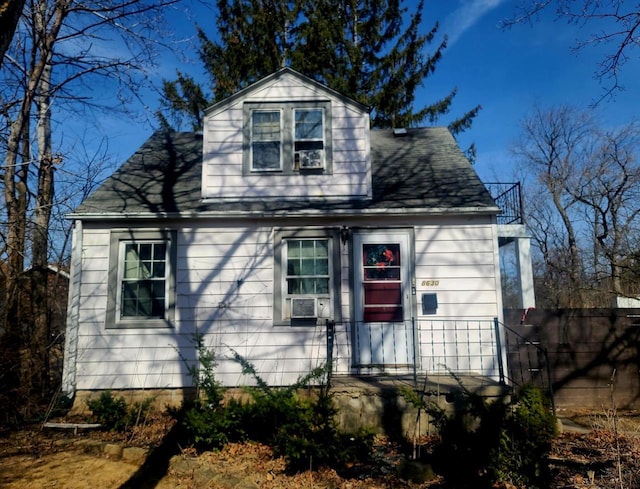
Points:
x=286, y=137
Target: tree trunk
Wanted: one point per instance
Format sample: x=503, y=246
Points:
x=40, y=240
x=16, y=193
x=10, y=11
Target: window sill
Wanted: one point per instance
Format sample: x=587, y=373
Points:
x=141, y=324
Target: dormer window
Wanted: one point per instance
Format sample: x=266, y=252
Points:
x=287, y=137
x=266, y=140
x=309, y=139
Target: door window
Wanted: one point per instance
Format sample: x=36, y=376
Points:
x=382, y=282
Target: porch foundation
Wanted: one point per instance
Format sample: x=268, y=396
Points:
x=375, y=403
x=378, y=403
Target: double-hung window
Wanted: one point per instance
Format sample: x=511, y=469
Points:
x=309, y=138
x=141, y=279
x=307, y=267
x=307, y=272
x=143, y=287
x=287, y=137
x=266, y=140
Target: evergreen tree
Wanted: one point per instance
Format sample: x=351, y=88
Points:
x=359, y=48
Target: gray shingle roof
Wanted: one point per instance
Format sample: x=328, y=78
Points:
x=423, y=171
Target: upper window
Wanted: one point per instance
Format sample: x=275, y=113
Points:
x=287, y=137
x=141, y=279
x=266, y=140
x=309, y=139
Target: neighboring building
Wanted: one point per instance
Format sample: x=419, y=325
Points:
x=292, y=234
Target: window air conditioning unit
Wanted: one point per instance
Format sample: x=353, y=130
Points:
x=311, y=159
x=310, y=308
x=303, y=308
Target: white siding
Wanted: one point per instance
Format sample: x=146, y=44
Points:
x=224, y=286
x=459, y=264
x=224, y=292
x=223, y=176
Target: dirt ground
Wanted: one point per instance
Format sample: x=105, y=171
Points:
x=590, y=456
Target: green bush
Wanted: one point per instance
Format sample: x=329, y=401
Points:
x=113, y=413
x=526, y=441
x=484, y=443
x=300, y=428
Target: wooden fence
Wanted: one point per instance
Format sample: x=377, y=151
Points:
x=594, y=354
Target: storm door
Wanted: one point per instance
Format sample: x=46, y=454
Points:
x=383, y=333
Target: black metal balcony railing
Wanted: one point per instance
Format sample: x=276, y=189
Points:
x=507, y=196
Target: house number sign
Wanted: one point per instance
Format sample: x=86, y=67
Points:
x=430, y=283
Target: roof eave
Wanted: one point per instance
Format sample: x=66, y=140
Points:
x=230, y=214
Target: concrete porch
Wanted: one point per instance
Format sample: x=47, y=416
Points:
x=377, y=402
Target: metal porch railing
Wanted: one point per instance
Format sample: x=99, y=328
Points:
x=484, y=348
x=417, y=345
x=507, y=196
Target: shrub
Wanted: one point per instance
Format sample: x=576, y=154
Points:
x=205, y=420
x=208, y=389
x=113, y=413
x=300, y=428
x=530, y=428
x=109, y=411
x=483, y=443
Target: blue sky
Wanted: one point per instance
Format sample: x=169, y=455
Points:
x=509, y=71
x=506, y=71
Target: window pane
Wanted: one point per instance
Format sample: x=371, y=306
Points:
x=266, y=156
x=307, y=286
x=308, y=267
x=293, y=286
x=293, y=248
x=131, y=261
x=322, y=267
x=266, y=126
x=381, y=261
x=308, y=124
x=159, y=270
x=307, y=248
x=322, y=286
x=145, y=251
x=293, y=267
x=159, y=251
x=322, y=248
x=145, y=269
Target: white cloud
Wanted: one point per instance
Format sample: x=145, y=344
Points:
x=465, y=16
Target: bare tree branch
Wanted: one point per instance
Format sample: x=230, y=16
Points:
x=614, y=23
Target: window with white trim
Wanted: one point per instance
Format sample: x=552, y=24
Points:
x=307, y=272
x=307, y=266
x=308, y=138
x=287, y=137
x=141, y=279
x=143, y=284
x=266, y=140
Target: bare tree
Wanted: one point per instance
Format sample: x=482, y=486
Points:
x=583, y=209
x=609, y=188
x=62, y=50
x=552, y=146
x=615, y=23
x=555, y=284
x=10, y=11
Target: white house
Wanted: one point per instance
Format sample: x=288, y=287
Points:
x=290, y=233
